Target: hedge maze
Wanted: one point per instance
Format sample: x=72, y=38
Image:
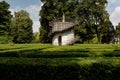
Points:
x=47, y=62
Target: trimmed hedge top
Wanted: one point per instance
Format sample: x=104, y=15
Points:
x=49, y=51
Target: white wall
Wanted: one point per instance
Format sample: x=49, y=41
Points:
x=67, y=38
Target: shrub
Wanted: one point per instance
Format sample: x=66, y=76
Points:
x=5, y=39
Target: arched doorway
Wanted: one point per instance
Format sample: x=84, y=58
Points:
x=59, y=40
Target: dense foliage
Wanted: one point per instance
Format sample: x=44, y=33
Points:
x=118, y=29
x=94, y=20
x=5, y=18
x=22, y=27
x=55, y=10
x=92, y=17
x=5, y=22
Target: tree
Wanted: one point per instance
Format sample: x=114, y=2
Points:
x=98, y=15
x=46, y=17
x=116, y=38
x=118, y=29
x=22, y=27
x=107, y=29
x=55, y=10
x=93, y=16
x=5, y=21
x=65, y=9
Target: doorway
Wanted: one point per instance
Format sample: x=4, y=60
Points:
x=59, y=40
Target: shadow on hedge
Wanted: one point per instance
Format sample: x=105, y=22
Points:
x=115, y=53
x=95, y=71
x=38, y=53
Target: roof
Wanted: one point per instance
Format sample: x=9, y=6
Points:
x=62, y=26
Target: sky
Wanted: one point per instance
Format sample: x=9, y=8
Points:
x=33, y=7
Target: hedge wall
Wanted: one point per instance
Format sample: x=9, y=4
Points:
x=59, y=69
x=37, y=53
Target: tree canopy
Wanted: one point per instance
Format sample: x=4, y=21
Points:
x=118, y=29
x=93, y=17
x=55, y=10
x=91, y=14
x=5, y=18
x=22, y=27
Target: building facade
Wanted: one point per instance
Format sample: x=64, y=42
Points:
x=63, y=33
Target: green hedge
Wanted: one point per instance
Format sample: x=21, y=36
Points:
x=59, y=69
x=49, y=51
x=37, y=53
x=45, y=54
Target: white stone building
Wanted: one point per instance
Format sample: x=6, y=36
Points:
x=63, y=33
x=117, y=39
